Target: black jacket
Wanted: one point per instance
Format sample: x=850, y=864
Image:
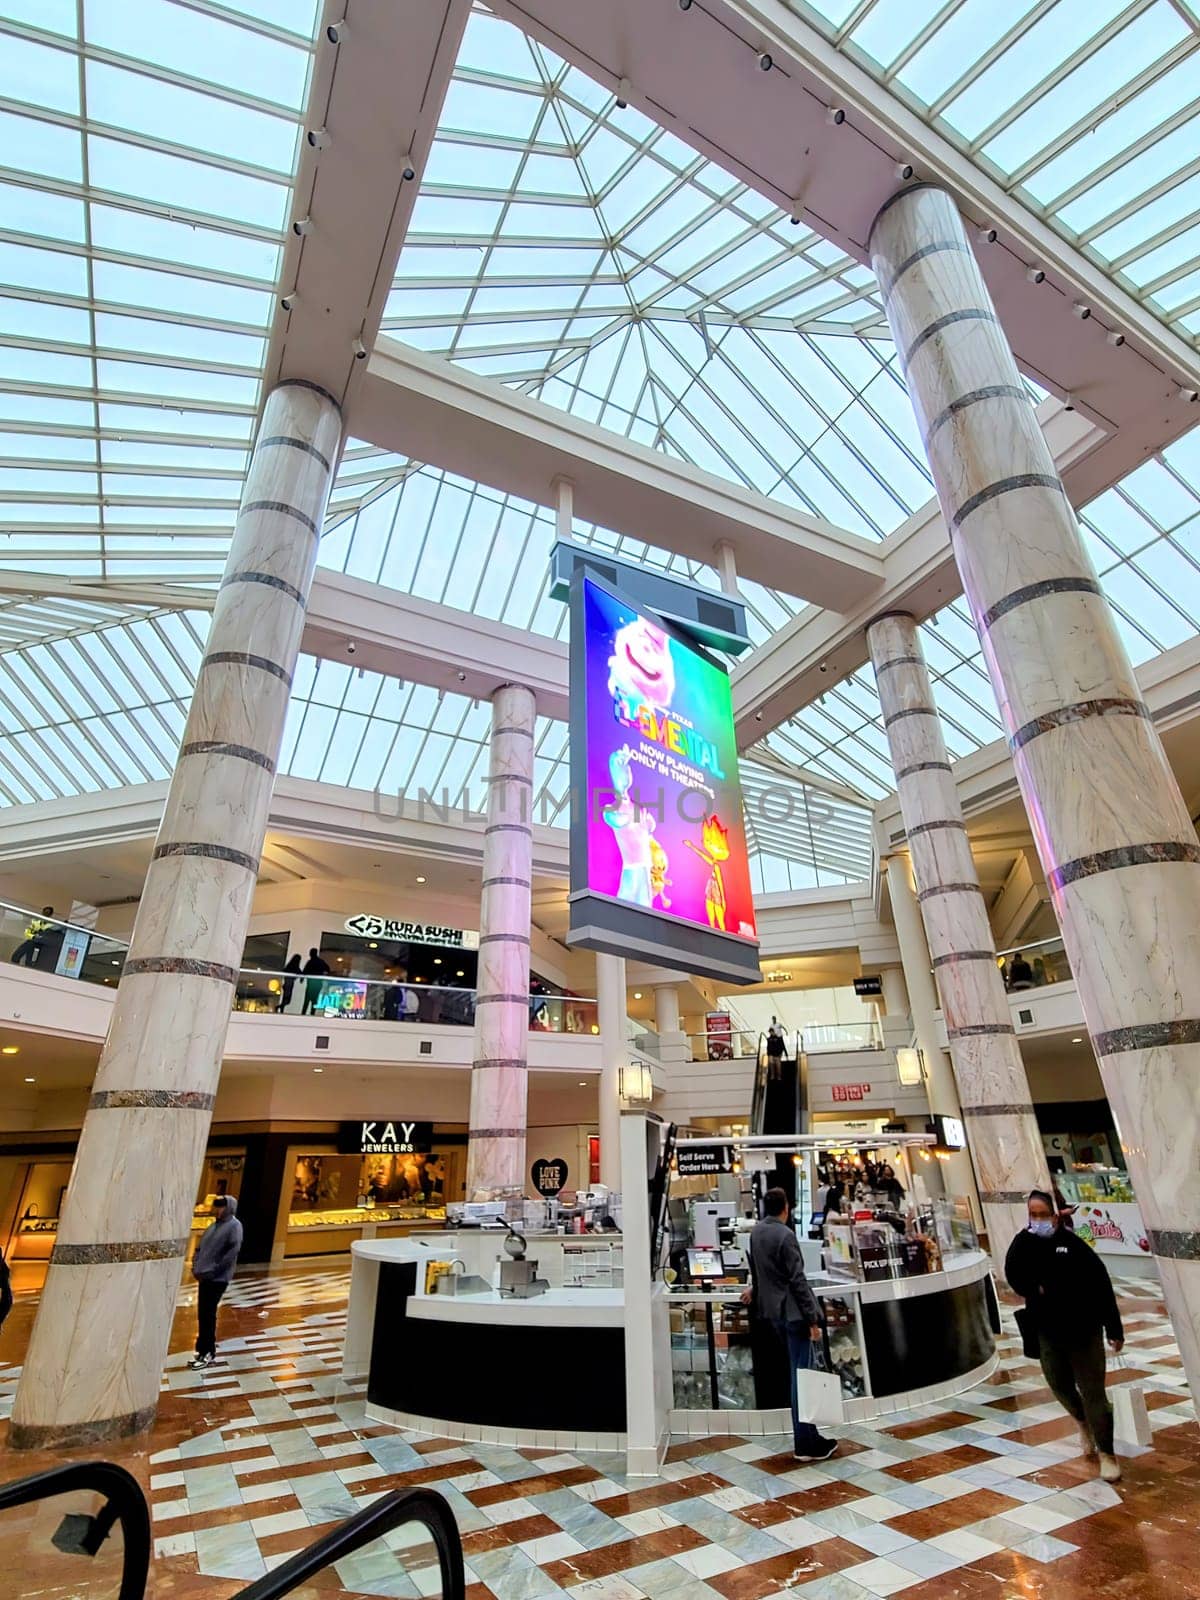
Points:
x=781, y=1291
x=1066, y=1283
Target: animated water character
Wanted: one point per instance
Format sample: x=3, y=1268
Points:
x=640, y=669
x=659, y=882
x=712, y=850
x=631, y=829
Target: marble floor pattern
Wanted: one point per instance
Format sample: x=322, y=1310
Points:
x=986, y=1498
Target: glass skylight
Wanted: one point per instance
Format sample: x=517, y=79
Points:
x=1088, y=111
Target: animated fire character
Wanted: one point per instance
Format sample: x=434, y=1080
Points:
x=640, y=670
x=712, y=850
x=659, y=882
x=631, y=829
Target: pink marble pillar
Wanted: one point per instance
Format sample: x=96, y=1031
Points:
x=1114, y=836
x=96, y=1355
x=992, y=1086
x=499, y=1075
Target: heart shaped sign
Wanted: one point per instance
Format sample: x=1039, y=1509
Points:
x=549, y=1177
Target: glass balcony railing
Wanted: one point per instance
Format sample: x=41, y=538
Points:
x=824, y=1038
x=1034, y=966
x=45, y=943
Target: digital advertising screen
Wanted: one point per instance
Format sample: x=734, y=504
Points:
x=659, y=865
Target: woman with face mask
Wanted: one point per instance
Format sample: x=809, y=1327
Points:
x=1070, y=1306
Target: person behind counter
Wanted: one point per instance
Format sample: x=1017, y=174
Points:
x=1069, y=1295
x=780, y=1293
x=212, y=1267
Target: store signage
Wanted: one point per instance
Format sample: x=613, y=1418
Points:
x=949, y=1133
x=372, y=927
x=1112, y=1230
x=718, y=1029
x=383, y=1138
x=703, y=1161
x=850, y=1091
x=866, y=988
x=658, y=848
x=550, y=1177
x=74, y=948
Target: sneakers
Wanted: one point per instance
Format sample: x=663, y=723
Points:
x=1110, y=1469
x=823, y=1450
x=197, y=1363
x=1088, y=1445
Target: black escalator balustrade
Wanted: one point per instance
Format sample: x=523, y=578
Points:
x=406, y=1533
x=77, y=1532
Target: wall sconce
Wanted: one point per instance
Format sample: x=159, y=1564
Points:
x=909, y=1066
x=637, y=1083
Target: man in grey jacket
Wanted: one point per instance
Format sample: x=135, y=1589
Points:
x=782, y=1295
x=212, y=1267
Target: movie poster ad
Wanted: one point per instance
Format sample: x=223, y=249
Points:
x=664, y=805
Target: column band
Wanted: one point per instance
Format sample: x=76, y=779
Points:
x=948, y=888
x=218, y=747
x=971, y=1029
x=296, y=444
x=1017, y=1110
x=283, y=510
x=50, y=1435
x=517, y=883
x=213, y=852
x=938, y=824
x=955, y=956
x=243, y=658
x=186, y=966
x=174, y=1099
x=1037, y=591
x=503, y=938
x=990, y=391
x=1020, y=480
x=502, y=999
x=921, y=766
x=307, y=383
x=498, y=1133
x=1113, y=706
x=269, y=579
x=497, y=1063
x=968, y=314
x=889, y=282
x=1126, y=855
x=1176, y=1244
x=1147, y=1036
x=111, y=1254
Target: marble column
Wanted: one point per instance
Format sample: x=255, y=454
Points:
x=666, y=1009
x=96, y=1354
x=1115, y=839
x=614, y=1052
x=500, y=1070
x=993, y=1089
x=920, y=993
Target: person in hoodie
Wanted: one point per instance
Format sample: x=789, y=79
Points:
x=1066, y=1286
x=212, y=1267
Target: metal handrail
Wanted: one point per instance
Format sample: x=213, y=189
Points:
x=124, y=1502
x=372, y=1522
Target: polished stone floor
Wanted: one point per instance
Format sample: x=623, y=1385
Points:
x=990, y=1498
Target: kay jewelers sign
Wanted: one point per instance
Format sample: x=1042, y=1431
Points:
x=371, y=927
x=383, y=1138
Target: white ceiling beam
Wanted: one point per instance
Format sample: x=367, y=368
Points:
x=818, y=648
x=374, y=104
x=435, y=411
x=697, y=73
x=419, y=641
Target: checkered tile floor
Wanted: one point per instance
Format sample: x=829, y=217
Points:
x=990, y=1498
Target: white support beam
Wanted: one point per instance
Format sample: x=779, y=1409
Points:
x=697, y=73
x=374, y=103
x=820, y=647
x=429, y=408
x=403, y=636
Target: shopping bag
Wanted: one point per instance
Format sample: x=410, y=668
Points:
x=818, y=1396
x=1026, y=1319
x=1131, y=1419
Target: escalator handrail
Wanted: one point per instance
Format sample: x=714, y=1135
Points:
x=372, y=1522
x=122, y=1492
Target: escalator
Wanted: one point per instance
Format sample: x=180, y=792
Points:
x=82, y=1532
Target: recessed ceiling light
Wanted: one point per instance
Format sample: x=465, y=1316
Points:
x=460, y=973
x=637, y=994
x=420, y=880
x=318, y=1069
x=373, y=945
x=10, y=1050
x=30, y=1080
x=583, y=1083
x=437, y=961
x=1078, y=1040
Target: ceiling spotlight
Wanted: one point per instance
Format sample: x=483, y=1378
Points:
x=408, y=171
x=1068, y=401
x=1035, y=274
x=336, y=32
x=987, y=235
x=623, y=89
x=836, y=115
x=758, y=716
x=765, y=61
x=685, y=5
x=302, y=226
x=287, y=301
x=1116, y=339
x=360, y=350
x=462, y=677
x=319, y=139
x=795, y=218
x=904, y=170
x=1081, y=311
x=351, y=648
x=824, y=667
